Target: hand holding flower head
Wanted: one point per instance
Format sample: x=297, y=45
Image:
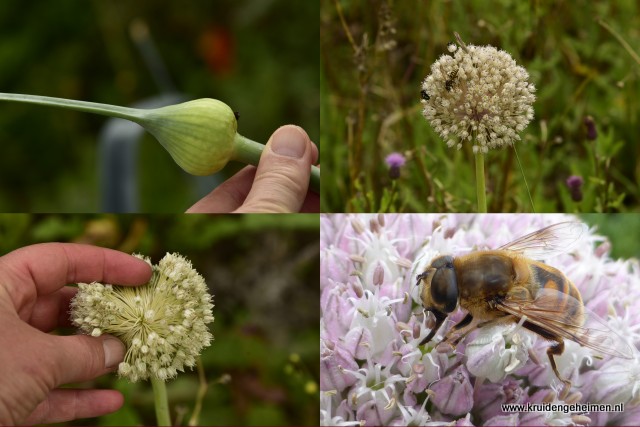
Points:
x=34, y=300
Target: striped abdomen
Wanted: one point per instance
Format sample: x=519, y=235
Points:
x=550, y=278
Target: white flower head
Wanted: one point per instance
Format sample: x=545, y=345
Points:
x=163, y=323
x=479, y=95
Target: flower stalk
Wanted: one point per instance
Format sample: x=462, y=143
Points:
x=480, y=185
x=200, y=135
x=163, y=418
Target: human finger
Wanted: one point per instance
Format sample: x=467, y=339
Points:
x=46, y=267
x=52, y=311
x=78, y=358
x=312, y=201
x=228, y=196
x=282, y=178
x=68, y=404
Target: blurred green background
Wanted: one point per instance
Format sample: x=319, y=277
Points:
x=623, y=230
x=372, y=66
x=262, y=368
x=258, y=56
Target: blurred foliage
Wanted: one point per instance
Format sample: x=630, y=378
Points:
x=370, y=92
x=258, y=56
x=262, y=368
x=622, y=230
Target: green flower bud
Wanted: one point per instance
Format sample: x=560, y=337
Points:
x=198, y=134
x=201, y=135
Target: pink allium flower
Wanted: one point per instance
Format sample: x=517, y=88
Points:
x=374, y=371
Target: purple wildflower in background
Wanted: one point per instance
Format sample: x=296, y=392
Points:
x=574, y=183
x=592, y=133
x=374, y=372
x=395, y=161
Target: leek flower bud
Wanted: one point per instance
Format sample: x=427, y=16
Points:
x=201, y=135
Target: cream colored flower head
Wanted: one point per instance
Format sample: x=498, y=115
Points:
x=478, y=95
x=163, y=323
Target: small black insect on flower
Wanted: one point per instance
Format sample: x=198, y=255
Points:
x=424, y=95
x=451, y=78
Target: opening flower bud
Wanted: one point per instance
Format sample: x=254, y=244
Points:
x=199, y=135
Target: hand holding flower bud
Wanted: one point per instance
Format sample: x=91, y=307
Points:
x=200, y=135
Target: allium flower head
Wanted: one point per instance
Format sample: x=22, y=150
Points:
x=163, y=323
x=375, y=371
x=478, y=95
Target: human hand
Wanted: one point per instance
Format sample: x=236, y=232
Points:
x=279, y=183
x=34, y=300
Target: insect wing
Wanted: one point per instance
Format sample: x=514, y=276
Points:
x=549, y=241
x=549, y=310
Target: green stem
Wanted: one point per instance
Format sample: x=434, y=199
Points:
x=71, y=104
x=248, y=151
x=161, y=402
x=480, y=186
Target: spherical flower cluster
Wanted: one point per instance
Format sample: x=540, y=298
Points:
x=163, y=323
x=479, y=95
x=373, y=370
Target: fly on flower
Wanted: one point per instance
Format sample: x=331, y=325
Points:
x=507, y=286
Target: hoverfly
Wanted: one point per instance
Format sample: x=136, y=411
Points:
x=506, y=285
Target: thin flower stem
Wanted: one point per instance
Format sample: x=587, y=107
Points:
x=202, y=391
x=248, y=151
x=161, y=402
x=480, y=186
x=72, y=104
x=533, y=208
x=622, y=41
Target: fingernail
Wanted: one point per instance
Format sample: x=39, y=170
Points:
x=289, y=141
x=113, y=352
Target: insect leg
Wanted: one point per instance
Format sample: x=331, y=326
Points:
x=555, y=349
x=466, y=326
x=464, y=322
x=439, y=319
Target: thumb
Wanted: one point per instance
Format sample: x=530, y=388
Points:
x=81, y=357
x=282, y=177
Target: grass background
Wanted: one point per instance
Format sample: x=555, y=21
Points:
x=263, y=272
x=370, y=90
x=259, y=56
